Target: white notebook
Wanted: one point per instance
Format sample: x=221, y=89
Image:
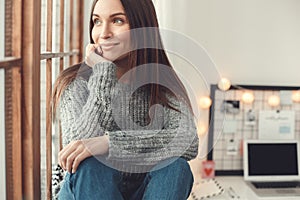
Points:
x=206, y=189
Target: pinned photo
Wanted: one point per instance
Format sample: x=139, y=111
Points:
x=230, y=107
x=250, y=118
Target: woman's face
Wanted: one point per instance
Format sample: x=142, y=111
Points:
x=111, y=29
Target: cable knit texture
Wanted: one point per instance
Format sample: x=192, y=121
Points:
x=90, y=108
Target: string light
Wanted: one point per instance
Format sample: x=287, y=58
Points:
x=201, y=129
x=248, y=97
x=224, y=84
x=296, y=96
x=273, y=100
x=205, y=102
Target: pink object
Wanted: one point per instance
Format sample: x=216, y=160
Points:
x=208, y=169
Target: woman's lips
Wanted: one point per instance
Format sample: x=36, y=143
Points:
x=108, y=46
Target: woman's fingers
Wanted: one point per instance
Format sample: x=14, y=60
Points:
x=89, y=49
x=64, y=154
x=93, y=54
x=71, y=156
x=79, y=158
x=70, y=160
x=61, y=158
x=98, y=50
x=74, y=153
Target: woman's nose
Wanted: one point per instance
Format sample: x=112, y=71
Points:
x=106, y=32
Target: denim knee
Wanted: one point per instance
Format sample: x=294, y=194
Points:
x=66, y=190
x=89, y=165
x=92, y=180
x=171, y=179
x=175, y=165
x=179, y=164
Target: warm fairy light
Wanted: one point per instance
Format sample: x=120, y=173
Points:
x=248, y=97
x=201, y=129
x=274, y=100
x=296, y=96
x=224, y=84
x=205, y=102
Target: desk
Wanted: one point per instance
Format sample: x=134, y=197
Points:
x=241, y=189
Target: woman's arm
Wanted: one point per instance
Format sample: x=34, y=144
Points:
x=76, y=151
x=84, y=111
x=83, y=106
x=137, y=150
x=177, y=138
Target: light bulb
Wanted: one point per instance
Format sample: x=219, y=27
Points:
x=296, y=96
x=224, y=84
x=205, y=102
x=201, y=129
x=248, y=97
x=274, y=100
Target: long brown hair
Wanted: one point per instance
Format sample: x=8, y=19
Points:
x=140, y=14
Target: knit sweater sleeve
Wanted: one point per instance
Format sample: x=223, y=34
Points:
x=84, y=105
x=177, y=137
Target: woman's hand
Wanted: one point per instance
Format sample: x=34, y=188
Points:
x=93, y=54
x=71, y=155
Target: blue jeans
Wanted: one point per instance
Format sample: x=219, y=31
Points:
x=94, y=180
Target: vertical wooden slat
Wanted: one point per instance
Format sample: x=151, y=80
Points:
x=3, y=159
x=71, y=31
x=48, y=100
x=13, y=133
x=13, y=101
x=78, y=33
x=61, y=49
x=62, y=33
x=8, y=27
x=8, y=135
x=8, y=102
x=31, y=19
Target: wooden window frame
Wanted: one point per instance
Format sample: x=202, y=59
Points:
x=22, y=86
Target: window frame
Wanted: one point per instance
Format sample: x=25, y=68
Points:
x=22, y=66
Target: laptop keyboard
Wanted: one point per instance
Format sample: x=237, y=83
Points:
x=289, y=184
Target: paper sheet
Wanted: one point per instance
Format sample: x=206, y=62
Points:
x=276, y=125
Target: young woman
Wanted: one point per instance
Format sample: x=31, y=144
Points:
x=127, y=123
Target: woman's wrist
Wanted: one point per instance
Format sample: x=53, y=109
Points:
x=106, y=141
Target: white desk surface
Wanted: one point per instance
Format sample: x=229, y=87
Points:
x=241, y=189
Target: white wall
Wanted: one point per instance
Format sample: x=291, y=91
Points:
x=87, y=8
x=251, y=41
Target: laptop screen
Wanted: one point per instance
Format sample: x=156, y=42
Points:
x=271, y=160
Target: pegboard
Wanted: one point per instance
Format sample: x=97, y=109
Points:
x=232, y=121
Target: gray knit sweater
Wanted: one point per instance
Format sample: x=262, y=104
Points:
x=100, y=105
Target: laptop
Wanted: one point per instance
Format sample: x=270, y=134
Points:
x=271, y=168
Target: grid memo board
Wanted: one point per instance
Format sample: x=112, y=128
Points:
x=221, y=140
